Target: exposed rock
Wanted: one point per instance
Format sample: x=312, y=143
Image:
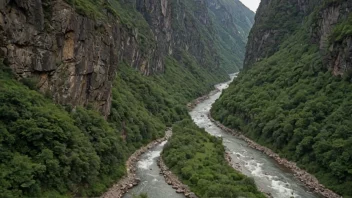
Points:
x=269, y=30
x=337, y=54
x=75, y=57
x=130, y=180
x=180, y=190
x=195, y=102
x=172, y=40
x=309, y=180
x=173, y=180
x=265, y=37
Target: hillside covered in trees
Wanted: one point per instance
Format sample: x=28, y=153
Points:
x=295, y=93
x=85, y=83
x=198, y=159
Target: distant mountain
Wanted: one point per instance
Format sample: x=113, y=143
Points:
x=232, y=21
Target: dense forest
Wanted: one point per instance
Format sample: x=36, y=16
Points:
x=53, y=150
x=73, y=151
x=292, y=102
x=198, y=159
x=56, y=149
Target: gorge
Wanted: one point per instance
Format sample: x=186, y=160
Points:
x=84, y=84
x=294, y=95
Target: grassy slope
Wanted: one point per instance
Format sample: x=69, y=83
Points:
x=292, y=104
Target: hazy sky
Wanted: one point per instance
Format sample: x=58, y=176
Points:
x=251, y=4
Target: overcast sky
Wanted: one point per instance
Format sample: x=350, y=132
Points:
x=251, y=4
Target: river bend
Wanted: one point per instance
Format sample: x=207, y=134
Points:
x=268, y=174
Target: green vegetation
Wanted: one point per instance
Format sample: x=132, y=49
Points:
x=49, y=150
x=292, y=104
x=242, y=16
x=46, y=151
x=186, y=81
x=220, y=46
x=232, y=22
x=115, y=10
x=279, y=15
x=342, y=30
x=275, y=22
x=198, y=159
x=143, y=106
x=140, y=108
x=201, y=33
x=87, y=7
x=133, y=20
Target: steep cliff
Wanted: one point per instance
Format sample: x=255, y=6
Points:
x=276, y=20
x=295, y=93
x=334, y=31
x=182, y=26
x=73, y=50
x=73, y=56
x=215, y=32
x=137, y=63
x=232, y=21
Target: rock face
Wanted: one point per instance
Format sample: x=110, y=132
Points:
x=180, y=26
x=337, y=52
x=233, y=16
x=340, y=57
x=233, y=21
x=271, y=27
x=158, y=14
x=273, y=21
x=173, y=180
x=74, y=57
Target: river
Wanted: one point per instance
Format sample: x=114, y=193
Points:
x=152, y=182
x=268, y=175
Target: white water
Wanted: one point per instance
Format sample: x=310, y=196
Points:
x=268, y=175
x=150, y=157
x=152, y=182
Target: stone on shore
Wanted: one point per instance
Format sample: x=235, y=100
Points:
x=309, y=180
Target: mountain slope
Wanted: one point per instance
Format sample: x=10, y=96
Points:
x=232, y=21
x=295, y=93
x=85, y=83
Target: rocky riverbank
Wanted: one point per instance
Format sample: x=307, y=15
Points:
x=309, y=180
x=131, y=180
x=237, y=167
x=173, y=180
x=195, y=102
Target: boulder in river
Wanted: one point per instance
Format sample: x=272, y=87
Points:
x=180, y=190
